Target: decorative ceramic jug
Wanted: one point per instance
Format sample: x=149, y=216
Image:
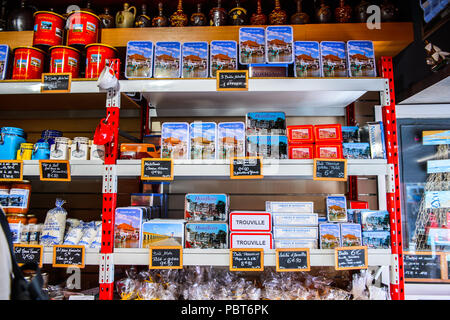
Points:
x=21, y=19
x=160, y=20
x=218, y=15
x=143, y=20
x=199, y=18
x=107, y=20
x=323, y=13
x=258, y=18
x=125, y=18
x=388, y=11
x=343, y=13
x=179, y=18
x=361, y=14
x=238, y=15
x=3, y=16
x=278, y=16
x=299, y=17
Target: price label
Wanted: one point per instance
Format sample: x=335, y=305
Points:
x=56, y=82
x=293, y=260
x=330, y=170
x=232, y=80
x=68, y=256
x=424, y=266
x=11, y=170
x=54, y=170
x=157, y=169
x=246, y=168
x=246, y=260
x=28, y=253
x=351, y=258
x=166, y=257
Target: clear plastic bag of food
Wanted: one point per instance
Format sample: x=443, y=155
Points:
x=54, y=225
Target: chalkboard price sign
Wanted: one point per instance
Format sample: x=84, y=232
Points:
x=246, y=260
x=68, y=256
x=28, y=253
x=11, y=170
x=157, y=169
x=246, y=168
x=56, y=82
x=423, y=266
x=232, y=80
x=330, y=170
x=166, y=257
x=351, y=258
x=54, y=170
x=293, y=260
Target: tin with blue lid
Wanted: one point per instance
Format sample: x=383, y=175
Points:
x=49, y=136
x=41, y=151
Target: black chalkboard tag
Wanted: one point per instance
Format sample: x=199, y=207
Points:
x=293, y=260
x=157, y=169
x=170, y=257
x=54, y=170
x=246, y=260
x=28, y=253
x=246, y=168
x=11, y=170
x=330, y=170
x=56, y=82
x=68, y=256
x=351, y=258
x=423, y=266
x=232, y=80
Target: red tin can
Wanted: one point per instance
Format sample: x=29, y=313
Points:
x=48, y=29
x=64, y=59
x=97, y=56
x=28, y=63
x=83, y=28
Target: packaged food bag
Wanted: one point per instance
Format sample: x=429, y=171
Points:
x=54, y=225
x=96, y=244
x=89, y=232
x=73, y=235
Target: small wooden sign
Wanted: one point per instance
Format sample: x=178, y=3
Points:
x=28, y=253
x=157, y=169
x=293, y=260
x=425, y=267
x=170, y=257
x=65, y=256
x=246, y=168
x=56, y=82
x=232, y=80
x=54, y=170
x=246, y=260
x=351, y=258
x=330, y=169
x=11, y=170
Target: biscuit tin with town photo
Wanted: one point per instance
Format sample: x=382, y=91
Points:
x=167, y=62
x=350, y=134
x=356, y=150
x=330, y=235
x=375, y=220
x=307, y=59
x=223, y=56
x=351, y=235
x=162, y=232
x=5, y=54
x=336, y=209
x=328, y=133
x=279, y=44
x=206, y=207
x=331, y=151
x=265, y=123
x=333, y=59
x=128, y=227
x=301, y=151
x=203, y=140
x=139, y=61
x=252, y=45
x=175, y=140
x=301, y=134
x=377, y=239
x=195, y=60
x=206, y=235
x=267, y=147
x=361, y=59
x=250, y=221
x=251, y=240
x=231, y=140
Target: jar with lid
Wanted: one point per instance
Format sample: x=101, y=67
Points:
x=60, y=150
x=4, y=197
x=79, y=149
x=19, y=197
x=25, y=151
x=25, y=234
x=35, y=233
x=10, y=140
x=31, y=218
x=41, y=151
x=16, y=218
x=49, y=136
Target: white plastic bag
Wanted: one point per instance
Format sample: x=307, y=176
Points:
x=54, y=225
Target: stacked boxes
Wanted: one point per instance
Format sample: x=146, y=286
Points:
x=366, y=142
x=251, y=229
x=301, y=142
x=376, y=229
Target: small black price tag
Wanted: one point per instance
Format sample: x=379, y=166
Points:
x=232, y=80
x=424, y=266
x=68, y=256
x=293, y=260
x=11, y=170
x=246, y=168
x=246, y=260
x=157, y=169
x=330, y=170
x=54, y=170
x=56, y=82
x=28, y=253
x=351, y=258
x=170, y=257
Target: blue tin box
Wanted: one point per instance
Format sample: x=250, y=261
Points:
x=175, y=140
x=195, y=60
x=279, y=44
x=334, y=59
x=230, y=140
x=5, y=54
x=223, y=56
x=167, y=62
x=252, y=45
x=307, y=59
x=361, y=59
x=203, y=140
x=139, y=60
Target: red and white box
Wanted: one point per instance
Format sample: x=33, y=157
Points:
x=328, y=133
x=328, y=151
x=301, y=134
x=352, y=204
x=251, y=241
x=250, y=221
x=301, y=151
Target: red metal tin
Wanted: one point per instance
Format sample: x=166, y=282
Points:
x=328, y=133
x=28, y=63
x=328, y=151
x=301, y=151
x=65, y=59
x=301, y=134
x=83, y=28
x=97, y=56
x=48, y=29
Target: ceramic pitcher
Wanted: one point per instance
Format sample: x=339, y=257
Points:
x=125, y=18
